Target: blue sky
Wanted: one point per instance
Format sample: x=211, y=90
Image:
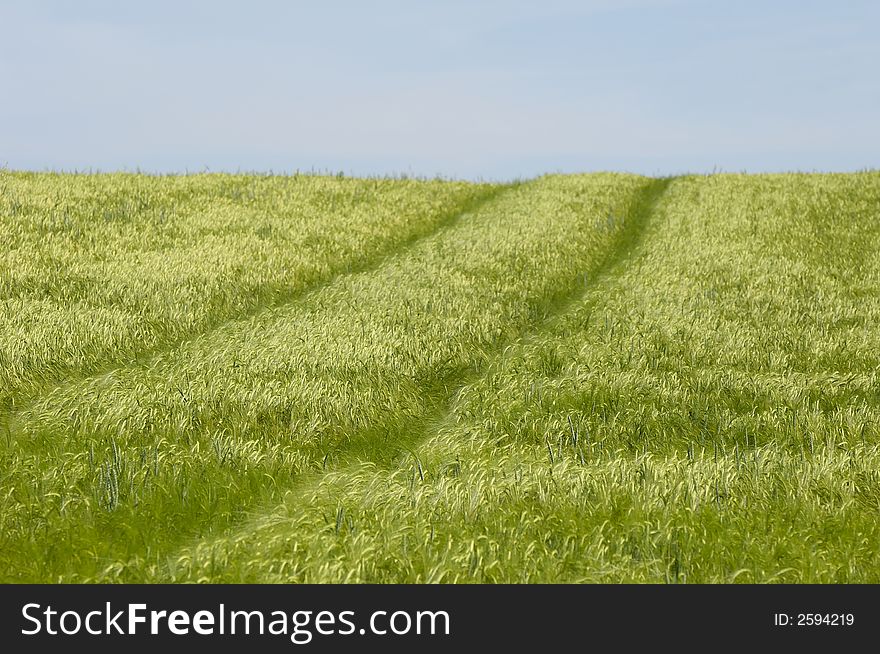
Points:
x=468, y=89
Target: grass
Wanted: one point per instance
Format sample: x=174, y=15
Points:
x=596, y=378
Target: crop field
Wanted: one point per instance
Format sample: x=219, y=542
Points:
x=577, y=378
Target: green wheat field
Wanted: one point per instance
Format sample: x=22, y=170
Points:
x=577, y=378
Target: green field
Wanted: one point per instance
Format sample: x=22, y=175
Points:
x=576, y=378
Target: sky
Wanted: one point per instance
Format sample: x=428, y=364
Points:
x=467, y=89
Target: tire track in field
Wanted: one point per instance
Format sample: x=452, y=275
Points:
x=366, y=263
x=612, y=266
x=409, y=437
